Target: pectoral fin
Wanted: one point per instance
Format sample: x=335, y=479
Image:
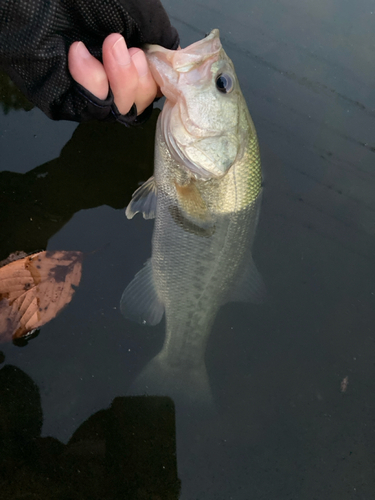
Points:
x=143, y=200
x=140, y=301
x=250, y=287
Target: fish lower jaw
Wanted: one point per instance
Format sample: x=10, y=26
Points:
x=195, y=170
x=200, y=174
x=183, y=159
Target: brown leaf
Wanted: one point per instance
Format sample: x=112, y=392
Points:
x=34, y=289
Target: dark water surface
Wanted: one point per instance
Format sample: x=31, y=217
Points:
x=283, y=429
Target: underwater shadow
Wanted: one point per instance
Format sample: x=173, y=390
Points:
x=102, y=164
x=125, y=451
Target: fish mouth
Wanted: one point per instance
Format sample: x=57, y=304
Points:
x=193, y=143
x=183, y=60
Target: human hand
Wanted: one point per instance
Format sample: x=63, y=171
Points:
x=124, y=70
x=36, y=57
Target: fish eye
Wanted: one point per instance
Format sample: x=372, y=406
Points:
x=224, y=83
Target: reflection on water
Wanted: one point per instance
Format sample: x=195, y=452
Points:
x=127, y=451
x=11, y=97
x=88, y=173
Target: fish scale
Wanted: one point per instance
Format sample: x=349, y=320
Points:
x=205, y=217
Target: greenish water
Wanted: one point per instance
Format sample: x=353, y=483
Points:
x=283, y=429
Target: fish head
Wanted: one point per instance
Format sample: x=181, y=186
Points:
x=201, y=118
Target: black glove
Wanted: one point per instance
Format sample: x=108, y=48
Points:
x=35, y=36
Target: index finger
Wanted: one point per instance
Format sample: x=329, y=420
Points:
x=121, y=72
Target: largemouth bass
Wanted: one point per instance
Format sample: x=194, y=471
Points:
x=205, y=196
